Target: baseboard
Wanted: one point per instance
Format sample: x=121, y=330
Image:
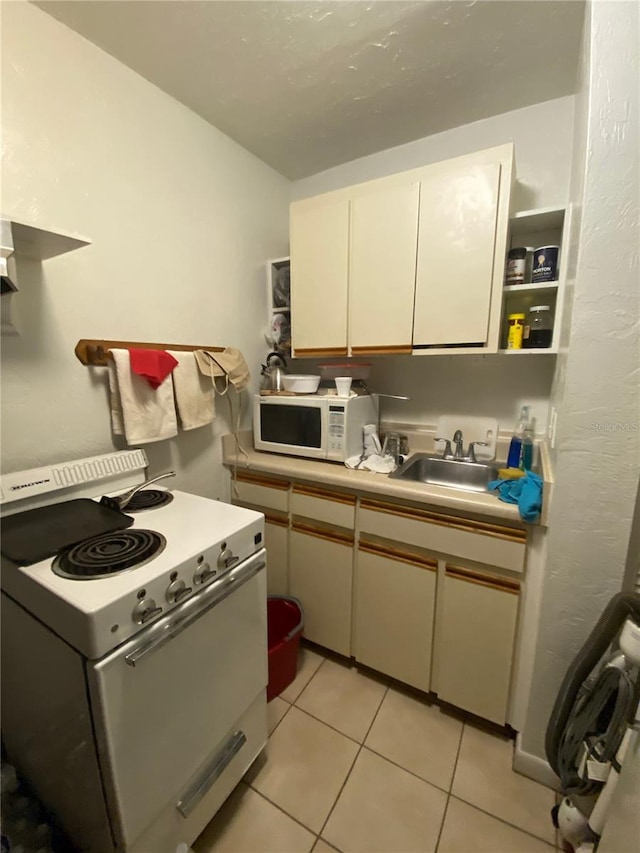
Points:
x=535, y=768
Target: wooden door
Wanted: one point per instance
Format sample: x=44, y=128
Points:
x=475, y=641
x=456, y=247
x=382, y=269
x=320, y=576
x=319, y=275
x=395, y=604
x=276, y=540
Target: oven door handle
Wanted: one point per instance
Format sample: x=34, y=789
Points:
x=215, y=594
x=211, y=773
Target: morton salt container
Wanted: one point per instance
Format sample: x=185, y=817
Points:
x=545, y=264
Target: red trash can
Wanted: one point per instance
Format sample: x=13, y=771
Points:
x=285, y=621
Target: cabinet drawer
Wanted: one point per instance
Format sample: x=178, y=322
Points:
x=320, y=576
x=477, y=615
x=324, y=505
x=480, y=541
x=395, y=604
x=261, y=491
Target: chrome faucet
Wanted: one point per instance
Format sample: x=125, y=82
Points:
x=457, y=440
x=458, y=453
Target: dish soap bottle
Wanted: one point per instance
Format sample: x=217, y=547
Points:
x=515, y=448
x=526, y=460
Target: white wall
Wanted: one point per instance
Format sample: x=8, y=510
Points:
x=490, y=385
x=542, y=136
x=598, y=393
x=181, y=220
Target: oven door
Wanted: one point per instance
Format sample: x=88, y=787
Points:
x=166, y=701
x=297, y=427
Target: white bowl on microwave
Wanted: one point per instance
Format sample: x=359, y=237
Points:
x=301, y=383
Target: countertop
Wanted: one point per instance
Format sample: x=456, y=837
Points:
x=366, y=482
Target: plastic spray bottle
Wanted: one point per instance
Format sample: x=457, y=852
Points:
x=515, y=448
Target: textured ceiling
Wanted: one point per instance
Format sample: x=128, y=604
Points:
x=309, y=85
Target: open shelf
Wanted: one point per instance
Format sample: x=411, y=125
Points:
x=532, y=351
x=543, y=219
x=41, y=244
x=543, y=287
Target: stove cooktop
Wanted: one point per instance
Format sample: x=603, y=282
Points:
x=149, y=499
x=201, y=535
x=108, y=554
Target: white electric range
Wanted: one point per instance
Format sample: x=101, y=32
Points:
x=135, y=662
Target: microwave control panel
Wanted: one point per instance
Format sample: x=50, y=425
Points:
x=336, y=428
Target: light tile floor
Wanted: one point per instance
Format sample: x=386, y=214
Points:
x=357, y=766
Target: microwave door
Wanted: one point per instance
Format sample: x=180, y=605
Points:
x=299, y=430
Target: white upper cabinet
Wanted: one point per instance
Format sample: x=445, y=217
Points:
x=382, y=268
x=412, y=262
x=456, y=244
x=319, y=275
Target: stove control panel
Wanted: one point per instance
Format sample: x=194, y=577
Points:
x=145, y=610
x=227, y=559
x=177, y=589
x=204, y=572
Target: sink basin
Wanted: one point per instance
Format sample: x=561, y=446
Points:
x=455, y=474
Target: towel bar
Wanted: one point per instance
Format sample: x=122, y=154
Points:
x=97, y=352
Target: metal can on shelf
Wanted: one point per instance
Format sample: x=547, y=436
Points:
x=516, y=265
x=545, y=264
x=516, y=329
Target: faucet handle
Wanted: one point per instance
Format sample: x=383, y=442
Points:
x=472, y=449
x=447, y=454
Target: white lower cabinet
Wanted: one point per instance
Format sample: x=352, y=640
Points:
x=475, y=636
x=276, y=541
x=395, y=603
x=320, y=576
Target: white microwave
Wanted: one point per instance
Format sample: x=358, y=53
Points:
x=315, y=426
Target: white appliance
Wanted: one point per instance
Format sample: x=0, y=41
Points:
x=313, y=425
x=134, y=702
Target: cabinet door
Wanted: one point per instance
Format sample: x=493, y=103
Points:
x=477, y=615
x=319, y=275
x=456, y=245
x=382, y=269
x=395, y=603
x=276, y=540
x=320, y=576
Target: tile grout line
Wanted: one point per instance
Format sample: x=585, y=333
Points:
x=453, y=776
x=284, y=812
x=502, y=820
x=320, y=665
x=401, y=767
x=348, y=776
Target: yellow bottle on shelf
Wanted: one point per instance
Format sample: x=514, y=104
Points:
x=516, y=329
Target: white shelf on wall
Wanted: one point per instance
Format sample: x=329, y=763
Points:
x=41, y=244
x=532, y=351
x=542, y=219
x=541, y=227
x=543, y=287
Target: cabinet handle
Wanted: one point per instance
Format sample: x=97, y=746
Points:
x=255, y=480
x=399, y=349
x=511, y=534
x=322, y=533
x=280, y=520
x=397, y=554
x=491, y=581
x=313, y=492
x=319, y=352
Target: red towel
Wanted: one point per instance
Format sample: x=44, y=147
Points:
x=154, y=365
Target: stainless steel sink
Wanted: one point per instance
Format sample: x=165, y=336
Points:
x=453, y=473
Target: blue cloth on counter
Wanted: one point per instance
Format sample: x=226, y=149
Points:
x=525, y=491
